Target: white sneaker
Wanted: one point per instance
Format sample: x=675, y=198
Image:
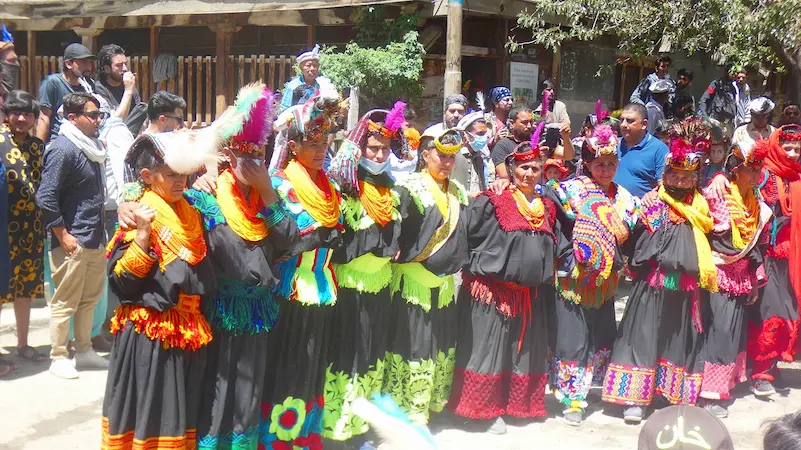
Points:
x=90, y=360
x=63, y=368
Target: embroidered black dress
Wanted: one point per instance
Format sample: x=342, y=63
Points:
x=159, y=353
x=362, y=316
x=292, y=401
x=241, y=315
x=658, y=340
x=421, y=352
x=502, y=350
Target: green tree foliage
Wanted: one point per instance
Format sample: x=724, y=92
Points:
x=374, y=26
x=383, y=74
x=744, y=32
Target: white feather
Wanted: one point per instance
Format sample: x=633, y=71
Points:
x=480, y=101
x=188, y=151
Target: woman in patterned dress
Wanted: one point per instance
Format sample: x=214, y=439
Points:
x=22, y=157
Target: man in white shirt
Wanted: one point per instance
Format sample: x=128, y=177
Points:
x=746, y=136
x=557, y=110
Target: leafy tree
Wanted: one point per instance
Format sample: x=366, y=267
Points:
x=744, y=32
x=383, y=74
x=375, y=27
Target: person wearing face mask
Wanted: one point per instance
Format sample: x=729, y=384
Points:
x=739, y=217
x=433, y=247
x=473, y=167
x=658, y=340
x=502, y=349
x=363, y=269
x=598, y=218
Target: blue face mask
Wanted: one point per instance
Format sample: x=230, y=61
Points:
x=479, y=142
x=373, y=167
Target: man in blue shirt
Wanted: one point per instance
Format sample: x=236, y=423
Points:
x=642, y=156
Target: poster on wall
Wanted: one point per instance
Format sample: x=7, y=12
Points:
x=523, y=82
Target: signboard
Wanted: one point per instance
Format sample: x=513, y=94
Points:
x=523, y=81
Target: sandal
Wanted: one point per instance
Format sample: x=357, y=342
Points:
x=30, y=354
x=6, y=367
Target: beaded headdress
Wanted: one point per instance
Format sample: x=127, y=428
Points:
x=603, y=141
x=682, y=157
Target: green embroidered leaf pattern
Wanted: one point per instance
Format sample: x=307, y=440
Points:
x=341, y=390
x=420, y=386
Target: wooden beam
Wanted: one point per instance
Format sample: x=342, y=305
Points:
x=154, y=49
x=453, y=56
x=33, y=69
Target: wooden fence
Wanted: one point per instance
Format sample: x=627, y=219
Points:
x=194, y=81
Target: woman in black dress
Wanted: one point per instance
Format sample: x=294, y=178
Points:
x=658, y=340
x=502, y=350
x=363, y=269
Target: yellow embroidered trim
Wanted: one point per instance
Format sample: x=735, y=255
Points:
x=134, y=261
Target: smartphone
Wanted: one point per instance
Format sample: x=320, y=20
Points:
x=553, y=137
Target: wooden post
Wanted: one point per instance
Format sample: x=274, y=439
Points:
x=89, y=37
x=453, y=52
x=33, y=68
x=224, y=72
x=154, y=49
x=310, y=36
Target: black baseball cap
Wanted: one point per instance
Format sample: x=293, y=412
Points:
x=684, y=427
x=77, y=51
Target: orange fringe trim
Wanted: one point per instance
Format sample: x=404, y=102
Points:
x=182, y=326
x=134, y=261
x=128, y=442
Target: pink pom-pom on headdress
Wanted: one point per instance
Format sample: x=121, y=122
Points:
x=604, y=134
x=679, y=149
x=395, y=118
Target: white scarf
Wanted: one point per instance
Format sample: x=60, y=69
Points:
x=90, y=146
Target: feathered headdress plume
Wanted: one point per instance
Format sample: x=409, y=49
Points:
x=480, y=102
x=250, y=119
x=535, y=136
x=395, y=118
x=600, y=113
x=546, y=104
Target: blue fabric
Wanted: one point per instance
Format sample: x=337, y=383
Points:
x=641, y=166
x=242, y=309
x=5, y=259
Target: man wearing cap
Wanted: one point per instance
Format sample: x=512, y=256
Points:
x=300, y=89
x=76, y=76
x=501, y=98
x=746, y=136
x=473, y=166
x=660, y=90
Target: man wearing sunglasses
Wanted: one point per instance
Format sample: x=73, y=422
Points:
x=72, y=197
x=746, y=136
x=165, y=111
